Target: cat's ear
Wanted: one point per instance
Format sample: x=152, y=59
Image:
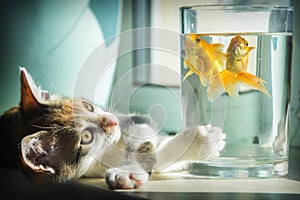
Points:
x=31, y=95
x=28, y=100
x=35, y=151
x=51, y=153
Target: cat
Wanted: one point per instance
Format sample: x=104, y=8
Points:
x=59, y=139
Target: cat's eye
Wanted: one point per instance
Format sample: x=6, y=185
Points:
x=88, y=106
x=87, y=136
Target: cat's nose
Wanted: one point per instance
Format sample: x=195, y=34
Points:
x=107, y=123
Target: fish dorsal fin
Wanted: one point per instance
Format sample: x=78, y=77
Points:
x=219, y=55
x=218, y=46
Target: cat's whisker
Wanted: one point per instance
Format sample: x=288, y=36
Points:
x=85, y=115
x=58, y=130
x=51, y=127
x=44, y=127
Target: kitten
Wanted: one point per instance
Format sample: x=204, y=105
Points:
x=56, y=139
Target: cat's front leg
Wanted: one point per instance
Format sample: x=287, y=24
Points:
x=126, y=177
x=193, y=143
x=209, y=141
x=135, y=170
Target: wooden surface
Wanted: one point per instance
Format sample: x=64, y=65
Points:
x=15, y=186
x=270, y=188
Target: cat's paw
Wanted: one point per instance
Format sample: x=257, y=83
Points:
x=124, y=179
x=210, y=140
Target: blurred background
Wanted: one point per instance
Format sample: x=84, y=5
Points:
x=54, y=41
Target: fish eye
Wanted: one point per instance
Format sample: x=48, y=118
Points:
x=88, y=106
x=87, y=136
x=197, y=39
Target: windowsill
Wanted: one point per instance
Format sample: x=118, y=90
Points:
x=195, y=188
x=269, y=185
x=14, y=184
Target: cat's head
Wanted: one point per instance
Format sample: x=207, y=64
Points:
x=63, y=136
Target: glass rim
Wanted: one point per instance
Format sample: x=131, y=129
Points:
x=238, y=7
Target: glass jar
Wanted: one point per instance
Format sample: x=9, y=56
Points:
x=235, y=70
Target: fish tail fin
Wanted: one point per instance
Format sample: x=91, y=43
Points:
x=229, y=82
x=193, y=70
x=221, y=58
x=233, y=81
x=189, y=65
x=187, y=74
x=202, y=79
x=252, y=82
x=215, y=87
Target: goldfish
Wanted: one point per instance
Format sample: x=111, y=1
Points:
x=205, y=60
x=236, y=73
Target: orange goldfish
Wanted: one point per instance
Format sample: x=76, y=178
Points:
x=236, y=73
x=206, y=61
